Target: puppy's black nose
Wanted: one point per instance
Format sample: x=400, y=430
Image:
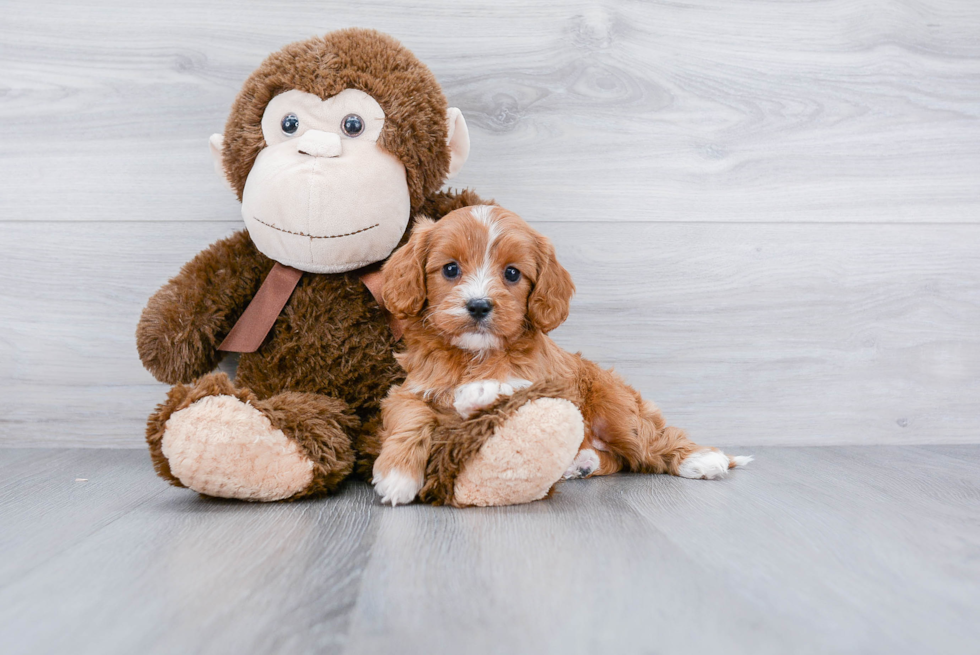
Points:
x=479, y=308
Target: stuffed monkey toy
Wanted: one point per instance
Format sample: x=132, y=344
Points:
x=332, y=146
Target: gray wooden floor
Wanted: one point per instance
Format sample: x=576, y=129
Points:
x=856, y=549
x=772, y=214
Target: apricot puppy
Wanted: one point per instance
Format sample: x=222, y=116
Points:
x=477, y=293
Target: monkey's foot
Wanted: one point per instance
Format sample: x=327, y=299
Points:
x=223, y=447
x=526, y=455
x=222, y=441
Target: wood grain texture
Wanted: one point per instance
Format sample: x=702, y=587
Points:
x=176, y=573
x=810, y=550
x=770, y=208
x=742, y=333
x=715, y=110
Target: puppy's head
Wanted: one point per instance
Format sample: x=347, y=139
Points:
x=480, y=278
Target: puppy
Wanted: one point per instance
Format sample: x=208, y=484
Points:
x=477, y=294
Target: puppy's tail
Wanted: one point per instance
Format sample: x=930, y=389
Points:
x=739, y=460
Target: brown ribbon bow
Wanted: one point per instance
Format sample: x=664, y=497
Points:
x=258, y=318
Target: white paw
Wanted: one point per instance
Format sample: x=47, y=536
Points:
x=584, y=465
x=396, y=488
x=476, y=395
x=704, y=464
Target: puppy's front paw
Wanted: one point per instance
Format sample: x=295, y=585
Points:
x=476, y=395
x=396, y=487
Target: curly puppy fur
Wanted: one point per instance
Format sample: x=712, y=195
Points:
x=455, y=441
x=330, y=350
x=478, y=292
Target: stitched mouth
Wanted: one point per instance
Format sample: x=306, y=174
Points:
x=314, y=236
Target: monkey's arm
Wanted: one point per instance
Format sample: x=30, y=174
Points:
x=184, y=322
x=443, y=202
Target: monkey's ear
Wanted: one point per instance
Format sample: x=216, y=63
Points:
x=404, y=291
x=216, y=143
x=458, y=140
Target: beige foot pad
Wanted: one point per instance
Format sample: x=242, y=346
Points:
x=526, y=456
x=220, y=446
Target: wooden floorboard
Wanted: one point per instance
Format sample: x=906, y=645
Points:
x=754, y=334
x=868, y=549
x=708, y=110
x=172, y=572
x=56, y=485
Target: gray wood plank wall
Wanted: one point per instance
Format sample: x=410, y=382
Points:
x=771, y=209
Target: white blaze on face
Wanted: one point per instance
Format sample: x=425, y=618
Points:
x=479, y=284
x=319, y=199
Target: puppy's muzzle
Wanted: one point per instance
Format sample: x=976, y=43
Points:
x=479, y=308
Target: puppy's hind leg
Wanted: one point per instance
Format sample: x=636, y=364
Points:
x=585, y=464
x=666, y=449
x=710, y=464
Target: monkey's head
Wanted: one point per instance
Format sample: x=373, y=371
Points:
x=331, y=146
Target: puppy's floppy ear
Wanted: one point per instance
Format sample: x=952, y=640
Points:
x=547, y=306
x=404, y=289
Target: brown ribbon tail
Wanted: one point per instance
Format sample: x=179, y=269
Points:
x=258, y=318
x=374, y=281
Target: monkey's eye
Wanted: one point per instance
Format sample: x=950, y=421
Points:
x=511, y=274
x=352, y=125
x=450, y=271
x=289, y=124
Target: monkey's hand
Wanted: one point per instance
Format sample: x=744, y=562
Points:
x=184, y=322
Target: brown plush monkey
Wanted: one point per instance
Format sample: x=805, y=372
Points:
x=332, y=145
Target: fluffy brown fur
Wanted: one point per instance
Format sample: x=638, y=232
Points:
x=455, y=441
x=327, y=362
x=470, y=255
x=415, y=108
x=319, y=424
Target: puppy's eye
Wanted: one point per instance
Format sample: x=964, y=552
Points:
x=450, y=271
x=289, y=124
x=511, y=274
x=352, y=125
